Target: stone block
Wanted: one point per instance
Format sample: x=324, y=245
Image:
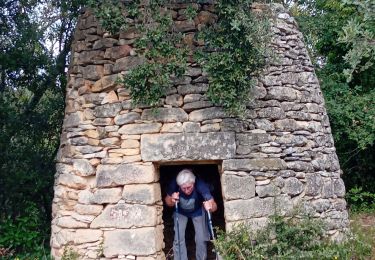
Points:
x=254, y=224
x=269, y=190
x=293, y=186
x=252, y=208
x=283, y=205
x=283, y=94
x=88, y=149
x=72, y=181
x=253, y=138
x=174, y=100
x=165, y=115
x=237, y=187
x=188, y=146
x=105, y=83
x=136, y=129
x=130, y=144
x=210, y=128
x=300, y=166
x=191, y=127
x=118, y=175
x=88, y=209
x=142, y=193
x=127, y=118
x=172, y=128
x=127, y=63
x=339, y=188
x=207, y=114
x=126, y=216
x=69, y=222
x=314, y=183
x=73, y=119
x=271, y=113
x=112, y=142
x=328, y=188
x=189, y=98
x=321, y=205
x=110, y=98
x=117, y=52
x=286, y=125
x=83, y=167
x=92, y=72
x=262, y=164
x=108, y=110
x=197, y=105
x=185, y=26
x=104, y=196
x=87, y=236
x=139, y=241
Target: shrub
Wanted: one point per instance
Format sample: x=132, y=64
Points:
x=288, y=239
x=21, y=235
x=360, y=201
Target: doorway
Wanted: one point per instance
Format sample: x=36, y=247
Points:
x=206, y=172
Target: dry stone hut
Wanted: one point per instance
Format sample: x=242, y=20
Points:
x=114, y=159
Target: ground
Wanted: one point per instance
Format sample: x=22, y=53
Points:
x=365, y=223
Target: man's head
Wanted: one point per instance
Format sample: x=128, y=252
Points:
x=186, y=180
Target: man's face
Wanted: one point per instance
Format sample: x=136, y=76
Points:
x=187, y=188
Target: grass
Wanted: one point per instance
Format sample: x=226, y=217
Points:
x=363, y=224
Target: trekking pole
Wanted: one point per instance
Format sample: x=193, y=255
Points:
x=211, y=229
x=178, y=230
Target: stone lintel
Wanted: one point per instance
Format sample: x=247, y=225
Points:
x=188, y=146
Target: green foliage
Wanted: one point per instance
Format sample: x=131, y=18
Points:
x=21, y=236
x=69, y=254
x=338, y=35
x=109, y=14
x=360, y=201
x=359, y=35
x=239, y=40
x=35, y=38
x=158, y=42
x=288, y=239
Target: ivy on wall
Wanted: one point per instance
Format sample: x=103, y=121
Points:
x=234, y=49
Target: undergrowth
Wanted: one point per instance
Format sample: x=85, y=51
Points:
x=290, y=239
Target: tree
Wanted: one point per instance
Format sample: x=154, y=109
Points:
x=340, y=37
x=35, y=40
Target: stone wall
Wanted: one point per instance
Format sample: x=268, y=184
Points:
x=280, y=157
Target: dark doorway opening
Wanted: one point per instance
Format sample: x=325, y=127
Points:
x=208, y=173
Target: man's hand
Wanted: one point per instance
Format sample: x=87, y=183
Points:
x=210, y=205
x=175, y=197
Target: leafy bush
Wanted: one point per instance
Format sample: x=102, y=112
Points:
x=360, y=200
x=288, y=239
x=20, y=236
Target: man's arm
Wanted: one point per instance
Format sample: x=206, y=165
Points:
x=210, y=205
x=171, y=200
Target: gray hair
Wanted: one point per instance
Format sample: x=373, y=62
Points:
x=185, y=176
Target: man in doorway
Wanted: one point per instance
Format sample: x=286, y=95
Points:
x=193, y=197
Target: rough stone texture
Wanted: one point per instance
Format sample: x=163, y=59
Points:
x=238, y=187
x=111, y=175
x=142, y=193
x=254, y=164
x=186, y=146
x=280, y=156
x=140, y=241
x=126, y=216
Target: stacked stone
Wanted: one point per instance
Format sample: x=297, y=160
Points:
x=279, y=158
